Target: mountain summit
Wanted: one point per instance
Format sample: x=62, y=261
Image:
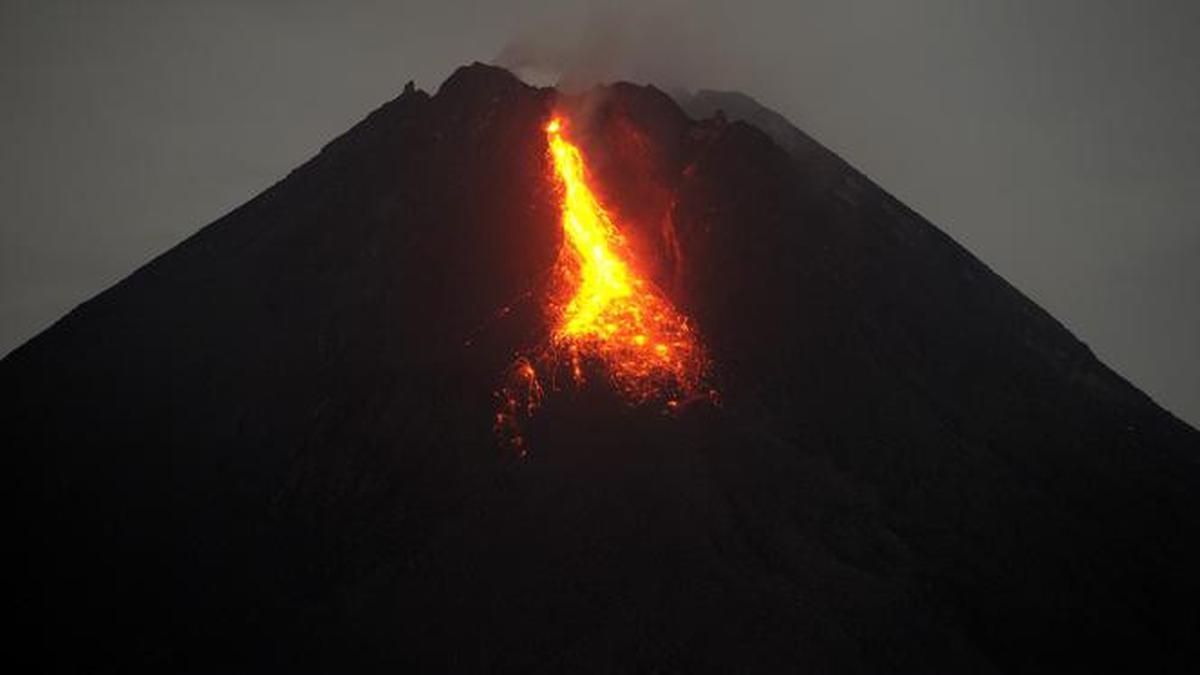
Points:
x=273, y=446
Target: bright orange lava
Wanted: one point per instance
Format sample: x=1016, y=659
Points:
x=604, y=314
x=609, y=312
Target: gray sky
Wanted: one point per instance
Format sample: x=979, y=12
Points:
x=1057, y=140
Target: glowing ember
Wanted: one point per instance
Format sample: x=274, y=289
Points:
x=602, y=310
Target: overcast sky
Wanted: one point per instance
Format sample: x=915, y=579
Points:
x=1057, y=140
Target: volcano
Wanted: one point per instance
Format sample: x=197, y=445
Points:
x=274, y=447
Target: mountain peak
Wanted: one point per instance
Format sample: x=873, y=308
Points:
x=480, y=77
x=273, y=448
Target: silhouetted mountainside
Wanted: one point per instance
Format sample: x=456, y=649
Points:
x=271, y=447
x=734, y=105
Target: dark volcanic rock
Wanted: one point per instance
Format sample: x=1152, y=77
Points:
x=271, y=447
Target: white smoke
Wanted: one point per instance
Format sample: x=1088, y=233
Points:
x=639, y=41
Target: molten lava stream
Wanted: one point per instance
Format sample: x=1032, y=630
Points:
x=607, y=310
x=602, y=310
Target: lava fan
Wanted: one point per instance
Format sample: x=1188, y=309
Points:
x=603, y=311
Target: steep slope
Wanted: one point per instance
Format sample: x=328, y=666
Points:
x=271, y=447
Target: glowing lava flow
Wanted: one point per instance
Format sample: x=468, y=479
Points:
x=602, y=310
x=611, y=313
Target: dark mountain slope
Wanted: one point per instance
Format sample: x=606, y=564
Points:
x=271, y=446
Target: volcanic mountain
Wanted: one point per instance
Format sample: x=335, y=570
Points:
x=273, y=448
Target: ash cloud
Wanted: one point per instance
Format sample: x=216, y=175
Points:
x=639, y=41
